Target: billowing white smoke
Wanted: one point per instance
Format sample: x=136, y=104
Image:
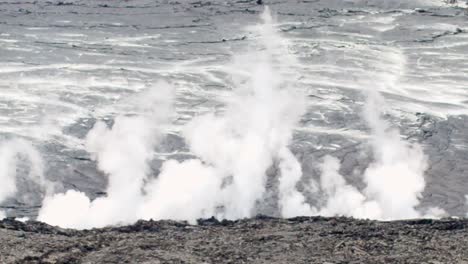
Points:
x=235, y=150
x=396, y=162
x=11, y=152
x=182, y=191
x=394, y=180
x=123, y=153
x=342, y=198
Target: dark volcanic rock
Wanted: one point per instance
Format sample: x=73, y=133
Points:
x=258, y=240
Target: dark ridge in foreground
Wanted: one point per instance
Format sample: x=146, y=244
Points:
x=257, y=240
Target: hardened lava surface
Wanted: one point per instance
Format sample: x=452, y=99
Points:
x=66, y=64
x=256, y=240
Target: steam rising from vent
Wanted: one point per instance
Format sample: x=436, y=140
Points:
x=394, y=181
x=12, y=153
x=123, y=153
x=233, y=150
x=396, y=162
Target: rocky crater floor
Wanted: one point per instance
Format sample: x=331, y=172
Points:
x=256, y=240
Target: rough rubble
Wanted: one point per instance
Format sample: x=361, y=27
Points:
x=258, y=240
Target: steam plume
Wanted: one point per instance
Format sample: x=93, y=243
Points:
x=123, y=153
x=11, y=153
x=234, y=150
x=394, y=180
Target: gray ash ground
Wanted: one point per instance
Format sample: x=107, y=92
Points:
x=256, y=240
